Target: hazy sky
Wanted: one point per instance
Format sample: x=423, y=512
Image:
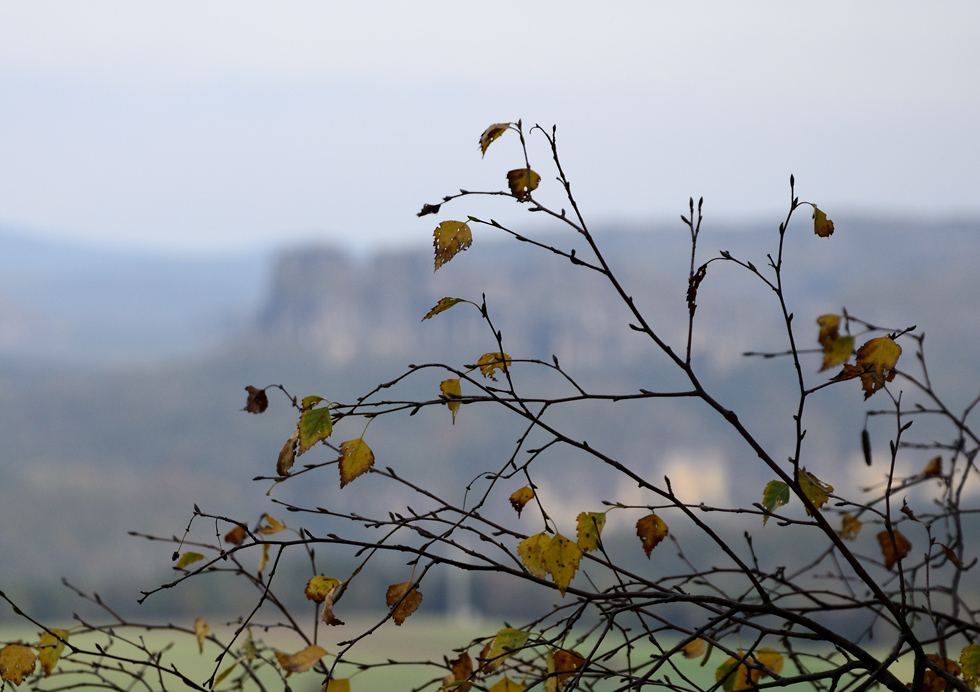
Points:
x=232, y=124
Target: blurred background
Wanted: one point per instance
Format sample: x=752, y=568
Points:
x=197, y=197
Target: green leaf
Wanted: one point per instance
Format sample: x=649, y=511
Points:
x=970, y=663
x=311, y=401
x=815, y=489
x=315, y=425
x=775, y=495
x=589, y=529
x=188, y=558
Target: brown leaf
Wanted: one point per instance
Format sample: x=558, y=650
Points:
x=877, y=360
x=951, y=556
x=693, y=648
x=850, y=527
x=893, y=551
x=287, y=455
x=565, y=664
x=257, y=400
x=934, y=467
x=462, y=669
x=235, y=536
x=429, y=209
x=326, y=615
x=408, y=605
x=301, y=661
x=652, y=530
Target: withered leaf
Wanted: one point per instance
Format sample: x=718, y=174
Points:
x=934, y=467
x=408, y=605
x=236, y=535
x=522, y=182
x=893, y=551
x=257, y=401
x=877, y=360
x=201, y=629
x=521, y=497
x=850, y=527
x=490, y=134
x=287, y=455
x=301, y=661
x=652, y=530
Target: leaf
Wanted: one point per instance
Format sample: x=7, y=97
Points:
x=326, y=613
x=443, y=305
x=561, y=559
x=932, y=682
x=318, y=587
x=837, y=352
x=264, y=559
x=451, y=392
x=893, y=551
x=315, y=425
x=301, y=661
x=814, y=488
x=507, y=641
x=822, y=226
x=970, y=663
x=16, y=661
x=449, y=239
x=462, y=670
x=490, y=134
x=877, y=360
x=271, y=527
x=775, y=495
x=338, y=685
x=408, y=605
x=490, y=362
x=693, y=648
x=589, y=529
x=734, y=674
x=224, y=674
x=49, y=649
x=652, y=530
x=951, y=556
x=310, y=401
x=565, y=664
x=522, y=182
x=532, y=550
x=505, y=684
x=773, y=660
x=429, y=209
x=355, y=459
x=201, y=629
x=829, y=328
x=521, y=497
x=257, y=401
x=287, y=455
x=850, y=527
x=236, y=535
x=188, y=558
x=934, y=467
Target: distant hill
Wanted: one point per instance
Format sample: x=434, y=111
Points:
x=132, y=413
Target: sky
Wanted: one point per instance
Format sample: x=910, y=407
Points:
x=227, y=125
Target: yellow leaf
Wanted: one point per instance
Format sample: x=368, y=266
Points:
x=311, y=401
x=507, y=641
x=773, y=660
x=235, y=536
x=561, y=559
x=490, y=134
x=815, y=489
x=522, y=182
x=319, y=586
x=521, y=497
x=451, y=393
x=850, y=527
x=822, y=226
x=449, y=239
x=951, y=556
x=970, y=662
x=693, y=648
x=264, y=559
x=355, y=459
x=837, y=349
x=188, y=558
x=532, y=550
x=443, y=305
x=490, y=362
x=589, y=529
x=934, y=467
x=287, y=455
x=565, y=664
x=733, y=675
x=507, y=685
x=829, y=328
x=16, y=661
x=651, y=529
x=314, y=425
x=462, y=670
x=201, y=629
x=338, y=685
x=49, y=649
x=272, y=526
x=877, y=360
x=301, y=661
x=893, y=551
x=408, y=605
